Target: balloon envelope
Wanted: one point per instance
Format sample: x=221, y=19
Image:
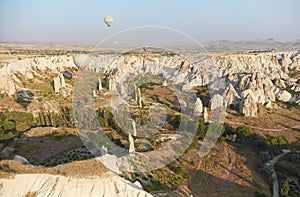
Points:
x=81, y=61
x=108, y=20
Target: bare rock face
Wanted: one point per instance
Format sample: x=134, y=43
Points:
x=268, y=90
x=285, y=61
x=139, y=97
x=110, y=84
x=11, y=88
x=131, y=144
x=205, y=114
x=198, y=107
x=134, y=128
x=269, y=104
x=230, y=96
x=216, y=101
x=244, y=82
x=283, y=95
x=28, y=68
x=248, y=106
x=62, y=80
x=109, y=184
x=279, y=83
x=21, y=159
x=56, y=84
x=99, y=84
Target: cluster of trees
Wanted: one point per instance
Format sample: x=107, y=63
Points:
x=12, y=123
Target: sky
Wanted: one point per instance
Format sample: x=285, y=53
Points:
x=210, y=20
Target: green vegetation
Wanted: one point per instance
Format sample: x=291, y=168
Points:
x=106, y=119
x=202, y=129
x=5, y=135
x=259, y=193
x=8, y=125
x=12, y=122
x=22, y=120
x=284, y=191
x=59, y=136
x=244, y=131
x=20, y=117
x=277, y=140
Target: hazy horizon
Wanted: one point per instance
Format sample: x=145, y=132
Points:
x=82, y=22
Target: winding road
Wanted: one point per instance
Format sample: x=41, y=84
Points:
x=274, y=176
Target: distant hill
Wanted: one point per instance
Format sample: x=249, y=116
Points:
x=267, y=44
x=220, y=45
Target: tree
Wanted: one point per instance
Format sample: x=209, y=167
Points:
x=259, y=193
x=284, y=191
x=277, y=140
x=244, y=131
x=202, y=128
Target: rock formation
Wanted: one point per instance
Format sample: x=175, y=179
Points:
x=109, y=184
x=56, y=84
x=248, y=106
x=139, y=97
x=103, y=150
x=216, y=101
x=283, y=95
x=230, y=96
x=134, y=128
x=21, y=159
x=198, y=107
x=131, y=144
x=62, y=80
x=28, y=68
x=205, y=114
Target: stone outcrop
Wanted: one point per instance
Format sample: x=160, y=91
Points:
x=230, y=96
x=205, y=114
x=134, y=128
x=28, y=68
x=216, y=101
x=248, y=106
x=198, y=107
x=283, y=95
x=21, y=159
x=99, y=84
x=56, y=84
x=109, y=184
x=59, y=83
x=131, y=143
x=139, y=97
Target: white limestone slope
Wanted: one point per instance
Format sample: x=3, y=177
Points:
x=12, y=74
x=108, y=185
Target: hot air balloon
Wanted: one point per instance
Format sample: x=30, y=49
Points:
x=81, y=61
x=108, y=20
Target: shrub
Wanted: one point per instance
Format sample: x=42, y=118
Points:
x=2, y=116
x=284, y=191
x=295, y=158
x=244, y=131
x=227, y=128
x=277, y=140
x=265, y=156
x=220, y=140
x=20, y=117
x=8, y=125
x=5, y=136
x=175, y=121
x=202, y=129
x=259, y=193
